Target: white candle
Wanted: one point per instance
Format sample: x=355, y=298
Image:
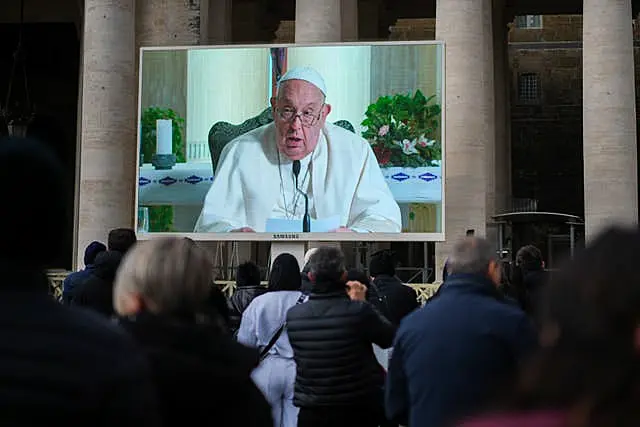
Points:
x=164, y=138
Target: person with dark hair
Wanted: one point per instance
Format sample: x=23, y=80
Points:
x=339, y=381
x=248, y=287
x=264, y=326
x=121, y=240
x=451, y=355
x=387, y=293
x=59, y=365
x=528, y=278
x=77, y=278
x=586, y=373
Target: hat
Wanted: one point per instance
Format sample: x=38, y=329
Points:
x=92, y=251
x=382, y=262
x=307, y=74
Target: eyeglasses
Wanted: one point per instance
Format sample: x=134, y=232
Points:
x=307, y=118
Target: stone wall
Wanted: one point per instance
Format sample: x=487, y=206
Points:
x=546, y=134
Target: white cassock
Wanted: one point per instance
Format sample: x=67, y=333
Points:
x=254, y=182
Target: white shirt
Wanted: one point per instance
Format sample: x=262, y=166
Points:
x=263, y=317
x=290, y=204
x=344, y=180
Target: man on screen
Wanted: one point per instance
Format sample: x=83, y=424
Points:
x=255, y=179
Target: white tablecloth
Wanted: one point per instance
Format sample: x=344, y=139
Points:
x=186, y=184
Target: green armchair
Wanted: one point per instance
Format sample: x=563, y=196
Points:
x=222, y=133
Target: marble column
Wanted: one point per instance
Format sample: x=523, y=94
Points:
x=326, y=21
x=499, y=164
x=466, y=28
x=167, y=22
x=321, y=22
x=609, y=116
x=215, y=21
x=107, y=143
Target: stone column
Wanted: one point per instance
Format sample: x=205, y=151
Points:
x=168, y=22
x=499, y=164
x=107, y=143
x=215, y=21
x=466, y=28
x=349, y=20
x=318, y=22
x=326, y=21
x=609, y=116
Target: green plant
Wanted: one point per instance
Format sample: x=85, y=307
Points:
x=148, y=132
x=402, y=130
x=161, y=217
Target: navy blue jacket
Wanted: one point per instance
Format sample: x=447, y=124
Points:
x=73, y=281
x=453, y=353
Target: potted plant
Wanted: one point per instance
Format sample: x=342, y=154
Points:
x=403, y=130
x=161, y=217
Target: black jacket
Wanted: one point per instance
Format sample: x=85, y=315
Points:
x=96, y=292
x=61, y=365
x=239, y=301
x=392, y=298
x=200, y=373
x=332, y=337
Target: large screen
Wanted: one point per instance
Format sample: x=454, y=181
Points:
x=334, y=142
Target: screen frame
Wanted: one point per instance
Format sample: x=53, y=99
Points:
x=298, y=237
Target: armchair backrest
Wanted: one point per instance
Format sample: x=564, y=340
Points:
x=222, y=133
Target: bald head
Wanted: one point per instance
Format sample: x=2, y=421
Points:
x=472, y=255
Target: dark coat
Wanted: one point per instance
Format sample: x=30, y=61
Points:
x=74, y=281
x=96, y=293
x=450, y=356
x=61, y=365
x=392, y=298
x=200, y=372
x=332, y=338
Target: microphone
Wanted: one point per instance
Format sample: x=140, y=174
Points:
x=306, y=219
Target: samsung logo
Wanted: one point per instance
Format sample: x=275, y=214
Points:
x=286, y=236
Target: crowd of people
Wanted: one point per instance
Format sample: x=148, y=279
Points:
x=143, y=336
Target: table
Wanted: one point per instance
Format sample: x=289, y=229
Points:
x=186, y=184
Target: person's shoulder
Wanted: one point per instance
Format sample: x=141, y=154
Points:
x=299, y=310
x=92, y=336
x=342, y=139
x=93, y=326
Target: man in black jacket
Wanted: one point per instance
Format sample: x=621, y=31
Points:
x=338, y=381
x=387, y=293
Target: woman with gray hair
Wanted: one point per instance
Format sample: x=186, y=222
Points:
x=263, y=326
x=161, y=291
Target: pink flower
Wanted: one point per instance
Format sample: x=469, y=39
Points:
x=383, y=130
x=422, y=143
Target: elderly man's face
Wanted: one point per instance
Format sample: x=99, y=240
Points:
x=299, y=112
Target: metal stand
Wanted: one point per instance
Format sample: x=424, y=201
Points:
x=226, y=261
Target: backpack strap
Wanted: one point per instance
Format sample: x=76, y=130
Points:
x=276, y=336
